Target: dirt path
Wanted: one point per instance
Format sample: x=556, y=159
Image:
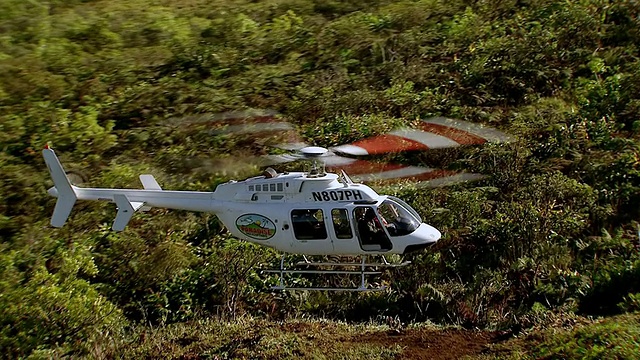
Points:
x=261, y=339
x=432, y=344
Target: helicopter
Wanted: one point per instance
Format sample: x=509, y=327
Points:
x=314, y=212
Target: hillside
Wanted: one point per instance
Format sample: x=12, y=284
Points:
x=548, y=241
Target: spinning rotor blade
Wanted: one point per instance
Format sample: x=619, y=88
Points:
x=387, y=173
x=247, y=136
x=76, y=177
x=262, y=126
x=433, y=133
x=263, y=129
x=382, y=172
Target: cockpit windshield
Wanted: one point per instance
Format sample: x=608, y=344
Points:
x=398, y=217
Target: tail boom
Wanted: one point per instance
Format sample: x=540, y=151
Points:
x=128, y=201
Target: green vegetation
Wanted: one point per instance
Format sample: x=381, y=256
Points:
x=259, y=339
x=552, y=230
x=616, y=337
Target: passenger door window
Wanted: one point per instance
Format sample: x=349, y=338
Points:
x=308, y=224
x=341, y=224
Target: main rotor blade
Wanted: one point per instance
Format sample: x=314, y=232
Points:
x=387, y=173
x=433, y=133
x=263, y=126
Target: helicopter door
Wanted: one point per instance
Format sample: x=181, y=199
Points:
x=344, y=240
x=310, y=231
x=370, y=230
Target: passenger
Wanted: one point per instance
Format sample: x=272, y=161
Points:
x=370, y=229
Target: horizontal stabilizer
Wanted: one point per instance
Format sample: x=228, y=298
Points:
x=126, y=209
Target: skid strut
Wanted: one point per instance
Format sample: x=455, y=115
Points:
x=335, y=269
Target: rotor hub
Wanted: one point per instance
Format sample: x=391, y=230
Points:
x=313, y=151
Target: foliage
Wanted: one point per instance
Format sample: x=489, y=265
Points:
x=615, y=338
x=47, y=308
x=111, y=85
x=258, y=339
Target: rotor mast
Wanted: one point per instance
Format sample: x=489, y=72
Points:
x=315, y=154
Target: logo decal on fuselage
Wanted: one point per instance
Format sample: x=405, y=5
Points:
x=256, y=226
x=337, y=195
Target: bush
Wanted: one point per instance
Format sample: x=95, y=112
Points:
x=615, y=338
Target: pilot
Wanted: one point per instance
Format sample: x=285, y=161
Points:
x=391, y=226
x=369, y=227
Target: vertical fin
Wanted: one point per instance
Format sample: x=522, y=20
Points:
x=66, y=195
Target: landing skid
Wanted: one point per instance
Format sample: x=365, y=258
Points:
x=383, y=264
x=337, y=268
x=359, y=289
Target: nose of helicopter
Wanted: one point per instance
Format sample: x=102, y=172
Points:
x=425, y=235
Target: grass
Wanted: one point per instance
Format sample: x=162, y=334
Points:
x=248, y=338
x=616, y=337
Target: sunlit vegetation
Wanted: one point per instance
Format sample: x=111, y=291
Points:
x=552, y=230
x=615, y=337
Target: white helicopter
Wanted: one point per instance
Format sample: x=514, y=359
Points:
x=308, y=213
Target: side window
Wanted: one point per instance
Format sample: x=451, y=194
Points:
x=308, y=224
x=341, y=224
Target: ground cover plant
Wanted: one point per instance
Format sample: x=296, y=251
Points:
x=551, y=233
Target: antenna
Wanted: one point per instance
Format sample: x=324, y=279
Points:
x=346, y=180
